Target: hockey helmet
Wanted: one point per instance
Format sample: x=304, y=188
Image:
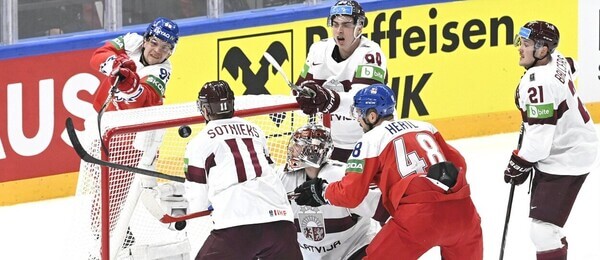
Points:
x=310, y=146
x=542, y=33
x=378, y=97
x=349, y=8
x=217, y=98
x=163, y=29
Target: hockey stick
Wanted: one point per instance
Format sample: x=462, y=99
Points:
x=110, y=97
x=510, y=198
x=270, y=59
x=84, y=155
x=292, y=195
x=159, y=213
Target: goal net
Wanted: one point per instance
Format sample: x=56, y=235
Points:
x=113, y=222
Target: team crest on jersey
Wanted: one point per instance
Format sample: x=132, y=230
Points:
x=312, y=223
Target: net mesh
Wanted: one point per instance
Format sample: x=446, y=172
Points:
x=129, y=221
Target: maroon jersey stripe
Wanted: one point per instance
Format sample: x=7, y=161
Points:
x=250, y=146
x=363, y=81
x=209, y=163
x=558, y=113
x=196, y=174
x=238, y=160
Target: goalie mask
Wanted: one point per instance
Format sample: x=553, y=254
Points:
x=310, y=146
x=216, y=97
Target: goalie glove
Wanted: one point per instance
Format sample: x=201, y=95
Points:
x=173, y=201
x=518, y=169
x=323, y=101
x=311, y=193
x=128, y=80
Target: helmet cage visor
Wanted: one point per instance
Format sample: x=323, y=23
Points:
x=524, y=32
x=356, y=112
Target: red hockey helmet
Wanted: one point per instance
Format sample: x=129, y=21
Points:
x=217, y=98
x=543, y=33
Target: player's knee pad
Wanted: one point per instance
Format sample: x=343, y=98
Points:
x=545, y=236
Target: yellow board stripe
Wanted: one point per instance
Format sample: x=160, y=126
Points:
x=63, y=185
x=35, y=189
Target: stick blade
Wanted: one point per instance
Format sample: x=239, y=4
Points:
x=74, y=139
x=91, y=159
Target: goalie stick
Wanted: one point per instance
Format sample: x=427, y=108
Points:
x=276, y=65
x=84, y=155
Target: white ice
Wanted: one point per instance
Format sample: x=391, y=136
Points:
x=41, y=230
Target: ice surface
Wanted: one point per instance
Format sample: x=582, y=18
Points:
x=43, y=230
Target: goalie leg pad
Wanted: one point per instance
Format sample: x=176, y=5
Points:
x=546, y=236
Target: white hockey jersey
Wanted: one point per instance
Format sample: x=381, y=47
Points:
x=366, y=66
x=331, y=232
x=229, y=158
x=560, y=137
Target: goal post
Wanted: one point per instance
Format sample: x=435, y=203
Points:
x=113, y=222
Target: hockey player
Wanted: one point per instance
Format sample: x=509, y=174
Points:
x=140, y=65
x=336, y=68
x=327, y=232
x=421, y=177
x=230, y=160
x=139, y=69
x=559, y=139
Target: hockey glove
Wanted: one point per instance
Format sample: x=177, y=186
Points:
x=518, y=169
x=324, y=100
x=444, y=172
x=311, y=193
x=128, y=80
x=123, y=61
